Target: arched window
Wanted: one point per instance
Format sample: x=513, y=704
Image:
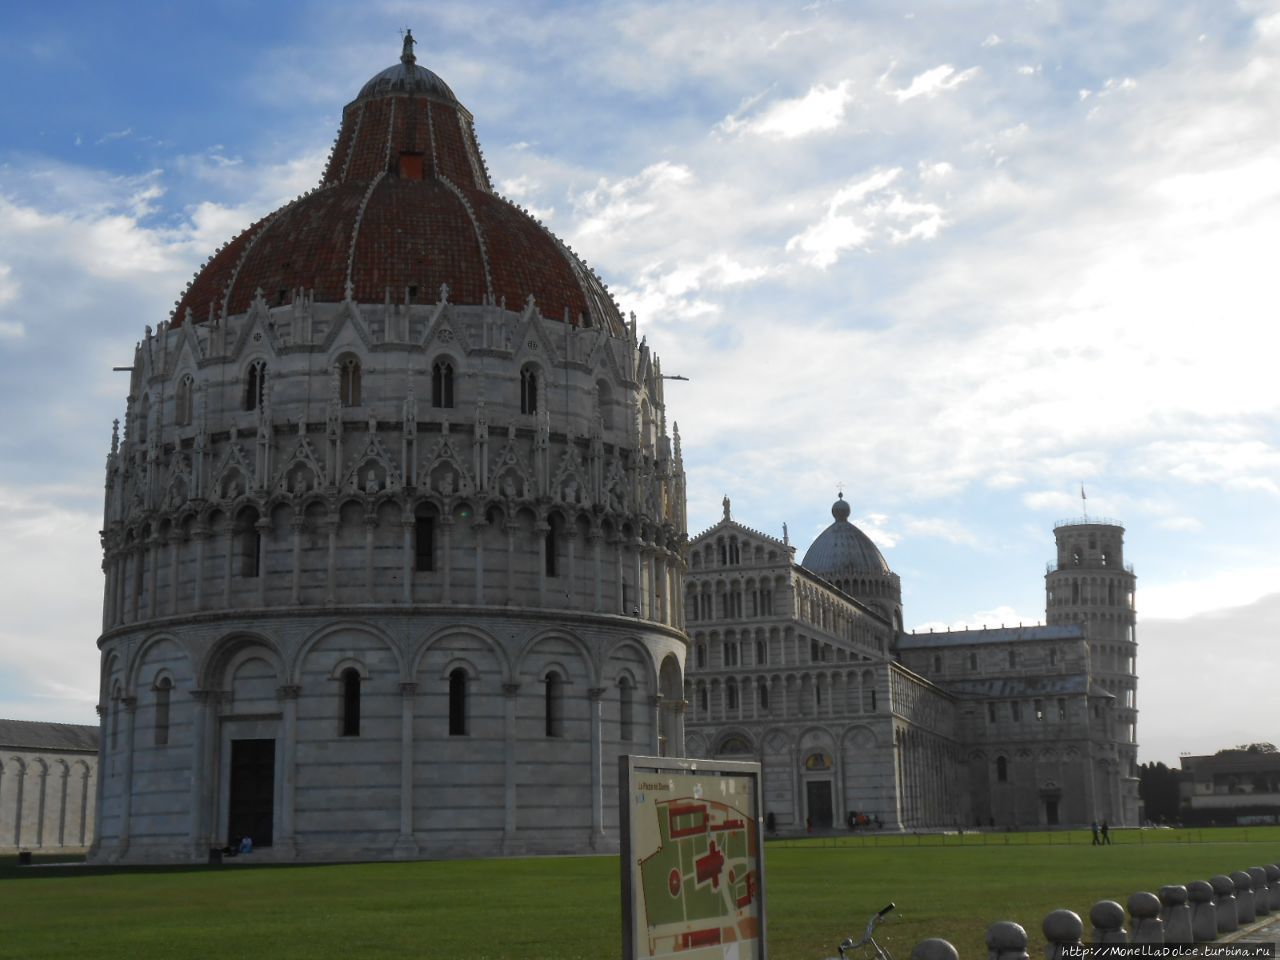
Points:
x=700, y=655
x=762, y=653
x=250, y=538
x=550, y=545
x=442, y=385
x=255, y=385
x=626, y=722
x=529, y=390
x=424, y=538
x=1002, y=770
x=162, y=688
x=731, y=695
x=182, y=406
x=553, y=708
x=764, y=695
x=458, y=703
x=349, y=381
x=702, y=699
x=351, y=702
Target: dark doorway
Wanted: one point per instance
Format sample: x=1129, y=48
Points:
x=1051, y=812
x=819, y=802
x=253, y=781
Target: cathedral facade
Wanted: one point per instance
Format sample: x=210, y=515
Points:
x=805, y=667
x=393, y=533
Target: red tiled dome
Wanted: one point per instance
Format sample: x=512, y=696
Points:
x=405, y=202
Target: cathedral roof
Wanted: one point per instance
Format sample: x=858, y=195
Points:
x=38, y=735
x=965, y=638
x=405, y=203
x=842, y=548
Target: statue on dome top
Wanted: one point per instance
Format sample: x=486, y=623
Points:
x=406, y=52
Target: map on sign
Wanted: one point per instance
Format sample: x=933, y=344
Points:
x=694, y=850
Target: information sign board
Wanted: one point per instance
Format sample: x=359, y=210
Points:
x=692, y=859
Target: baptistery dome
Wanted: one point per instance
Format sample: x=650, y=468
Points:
x=393, y=532
x=405, y=207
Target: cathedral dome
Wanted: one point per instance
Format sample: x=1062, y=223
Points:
x=842, y=548
x=405, y=210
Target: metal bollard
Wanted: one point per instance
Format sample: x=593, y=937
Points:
x=1224, y=903
x=1244, y=897
x=1273, y=881
x=1261, y=891
x=1176, y=914
x=1144, y=911
x=934, y=949
x=1204, y=914
x=1062, y=929
x=1006, y=940
x=1107, y=918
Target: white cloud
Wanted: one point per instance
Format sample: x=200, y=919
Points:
x=822, y=108
x=932, y=82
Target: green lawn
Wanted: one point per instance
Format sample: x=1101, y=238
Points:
x=563, y=908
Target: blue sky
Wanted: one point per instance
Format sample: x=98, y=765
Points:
x=959, y=257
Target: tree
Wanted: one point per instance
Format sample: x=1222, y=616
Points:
x=1158, y=788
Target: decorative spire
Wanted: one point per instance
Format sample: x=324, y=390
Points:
x=725, y=503
x=406, y=53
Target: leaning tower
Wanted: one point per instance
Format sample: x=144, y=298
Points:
x=1090, y=584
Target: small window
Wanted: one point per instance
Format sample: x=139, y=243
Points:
x=700, y=655
x=424, y=543
x=1062, y=710
x=973, y=661
x=553, y=707
x=1002, y=770
x=764, y=696
x=702, y=699
x=349, y=381
x=937, y=663
x=528, y=390
x=442, y=385
x=1039, y=705
x=411, y=166
x=731, y=695
x=255, y=385
x=815, y=652
x=350, y=702
x=250, y=545
x=458, y=703
x=762, y=653
x=604, y=402
x=1053, y=657
x=163, y=688
x=1013, y=658
x=550, y=546
x=991, y=712
x=1015, y=710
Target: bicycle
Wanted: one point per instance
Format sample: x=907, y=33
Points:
x=868, y=937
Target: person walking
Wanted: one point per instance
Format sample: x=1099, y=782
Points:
x=1094, y=827
x=1106, y=833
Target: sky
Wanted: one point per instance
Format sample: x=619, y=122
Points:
x=960, y=260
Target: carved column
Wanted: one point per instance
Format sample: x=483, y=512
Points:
x=130, y=705
x=200, y=735
x=227, y=565
x=510, y=527
x=406, y=559
x=288, y=696
x=540, y=531
x=153, y=547
x=200, y=534
x=370, y=525
x=478, y=528
x=406, y=845
x=263, y=526
x=297, y=523
x=659, y=586
x=446, y=536
x=570, y=574
x=331, y=574
x=175, y=571
x=509, y=732
x=595, y=536
x=638, y=604
x=596, y=695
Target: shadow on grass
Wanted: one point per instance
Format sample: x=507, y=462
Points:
x=54, y=867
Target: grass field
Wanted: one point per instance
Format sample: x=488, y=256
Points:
x=562, y=908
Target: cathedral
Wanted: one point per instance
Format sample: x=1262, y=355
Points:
x=393, y=533
x=805, y=668
x=397, y=565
